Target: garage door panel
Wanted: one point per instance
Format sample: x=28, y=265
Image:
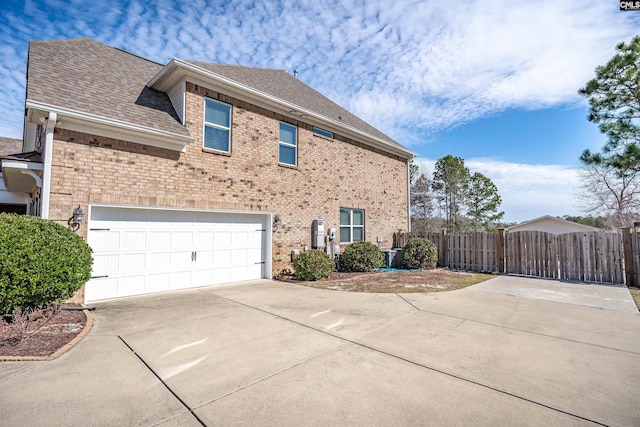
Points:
x=131, y=285
x=159, y=261
x=133, y=240
x=240, y=238
x=159, y=240
x=182, y=240
x=204, y=258
x=222, y=258
x=181, y=280
x=102, y=288
x=222, y=275
x=254, y=255
x=158, y=282
x=132, y=263
x=181, y=260
x=203, y=239
x=203, y=277
x=147, y=250
x=239, y=257
x=104, y=240
x=253, y=270
x=222, y=239
x=255, y=240
x=105, y=262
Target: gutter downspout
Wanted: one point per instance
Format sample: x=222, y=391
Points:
x=46, y=173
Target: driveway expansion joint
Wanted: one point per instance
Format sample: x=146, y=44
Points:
x=497, y=325
x=406, y=360
x=162, y=381
x=407, y=301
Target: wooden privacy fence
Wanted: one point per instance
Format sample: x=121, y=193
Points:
x=582, y=256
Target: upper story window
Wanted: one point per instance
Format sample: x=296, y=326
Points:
x=288, y=147
x=351, y=225
x=217, y=126
x=322, y=132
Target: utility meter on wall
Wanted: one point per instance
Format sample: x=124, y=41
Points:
x=317, y=233
x=331, y=234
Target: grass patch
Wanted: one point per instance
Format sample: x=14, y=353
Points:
x=635, y=293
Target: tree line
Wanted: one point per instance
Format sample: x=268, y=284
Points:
x=453, y=198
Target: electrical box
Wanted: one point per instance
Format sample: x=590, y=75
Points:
x=331, y=234
x=317, y=235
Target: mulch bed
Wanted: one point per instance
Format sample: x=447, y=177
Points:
x=44, y=335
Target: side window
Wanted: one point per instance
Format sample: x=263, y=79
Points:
x=351, y=225
x=288, y=147
x=217, y=126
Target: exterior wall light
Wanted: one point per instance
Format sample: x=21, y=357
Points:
x=76, y=219
x=277, y=221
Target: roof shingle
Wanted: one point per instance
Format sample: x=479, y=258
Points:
x=10, y=145
x=84, y=75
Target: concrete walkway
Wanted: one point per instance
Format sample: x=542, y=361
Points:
x=510, y=351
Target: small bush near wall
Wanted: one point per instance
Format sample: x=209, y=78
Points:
x=361, y=256
x=313, y=265
x=41, y=262
x=419, y=253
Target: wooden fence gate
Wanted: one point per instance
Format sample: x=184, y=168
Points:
x=582, y=256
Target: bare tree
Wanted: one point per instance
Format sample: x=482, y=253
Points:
x=611, y=193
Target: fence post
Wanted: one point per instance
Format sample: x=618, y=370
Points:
x=501, y=260
x=629, y=273
x=443, y=257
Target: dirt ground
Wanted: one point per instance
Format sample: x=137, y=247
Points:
x=43, y=336
x=437, y=280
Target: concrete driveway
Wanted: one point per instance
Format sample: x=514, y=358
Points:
x=510, y=351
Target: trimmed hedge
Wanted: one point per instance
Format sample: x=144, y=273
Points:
x=419, y=253
x=361, y=256
x=313, y=265
x=40, y=262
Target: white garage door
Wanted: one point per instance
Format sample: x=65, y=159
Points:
x=139, y=251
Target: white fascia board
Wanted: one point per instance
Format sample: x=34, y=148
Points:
x=98, y=125
x=17, y=164
x=195, y=74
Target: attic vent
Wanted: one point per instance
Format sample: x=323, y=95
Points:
x=322, y=132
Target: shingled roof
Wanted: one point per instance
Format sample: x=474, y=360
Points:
x=10, y=146
x=87, y=76
x=282, y=85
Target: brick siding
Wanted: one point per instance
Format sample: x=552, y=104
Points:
x=331, y=174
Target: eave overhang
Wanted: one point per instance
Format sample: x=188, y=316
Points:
x=177, y=70
x=103, y=126
x=21, y=176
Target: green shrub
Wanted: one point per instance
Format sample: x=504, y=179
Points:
x=419, y=253
x=361, y=256
x=313, y=265
x=41, y=262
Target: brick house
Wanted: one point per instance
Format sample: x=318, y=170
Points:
x=192, y=173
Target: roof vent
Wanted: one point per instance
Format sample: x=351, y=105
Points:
x=295, y=74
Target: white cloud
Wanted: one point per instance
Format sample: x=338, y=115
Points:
x=527, y=191
x=410, y=69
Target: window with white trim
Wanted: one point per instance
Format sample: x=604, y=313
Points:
x=288, y=147
x=351, y=225
x=217, y=126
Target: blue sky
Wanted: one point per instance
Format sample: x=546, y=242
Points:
x=492, y=81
